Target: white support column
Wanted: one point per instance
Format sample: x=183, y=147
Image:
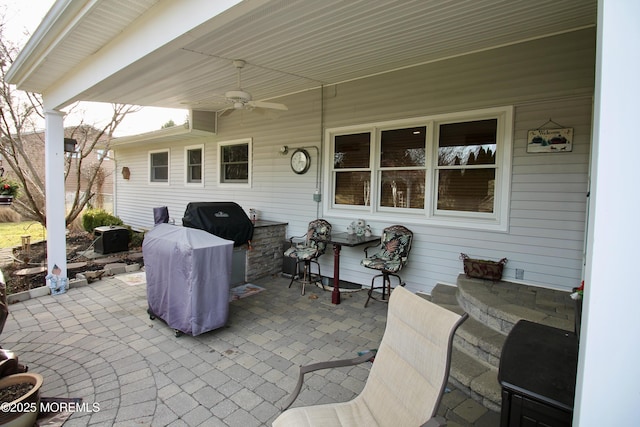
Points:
x=607, y=389
x=55, y=194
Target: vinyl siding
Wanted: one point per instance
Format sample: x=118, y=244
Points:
x=544, y=79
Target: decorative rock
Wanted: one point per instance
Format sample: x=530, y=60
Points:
x=76, y=265
x=92, y=276
x=115, y=268
x=109, y=260
x=135, y=256
x=132, y=267
x=30, y=271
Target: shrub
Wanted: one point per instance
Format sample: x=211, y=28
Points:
x=136, y=239
x=9, y=215
x=93, y=218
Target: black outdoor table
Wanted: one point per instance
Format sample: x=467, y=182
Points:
x=338, y=240
x=537, y=373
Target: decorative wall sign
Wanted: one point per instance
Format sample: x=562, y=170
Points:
x=550, y=140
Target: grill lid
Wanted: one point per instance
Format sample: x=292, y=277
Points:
x=223, y=219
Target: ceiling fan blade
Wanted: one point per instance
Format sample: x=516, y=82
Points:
x=269, y=105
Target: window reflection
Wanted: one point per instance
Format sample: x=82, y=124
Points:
x=468, y=143
x=402, y=189
x=160, y=166
x=352, y=151
x=194, y=165
x=353, y=188
x=466, y=161
x=402, y=159
x=467, y=190
x=403, y=147
x=390, y=168
x=235, y=163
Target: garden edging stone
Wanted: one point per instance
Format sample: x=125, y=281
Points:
x=80, y=280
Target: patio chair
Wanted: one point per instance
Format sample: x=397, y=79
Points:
x=307, y=252
x=160, y=215
x=408, y=375
x=393, y=253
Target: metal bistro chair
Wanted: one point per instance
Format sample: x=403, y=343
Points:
x=408, y=376
x=316, y=239
x=394, y=248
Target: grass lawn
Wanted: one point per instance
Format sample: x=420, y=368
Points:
x=11, y=233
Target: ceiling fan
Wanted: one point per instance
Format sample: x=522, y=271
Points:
x=241, y=99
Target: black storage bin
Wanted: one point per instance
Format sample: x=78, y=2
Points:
x=110, y=239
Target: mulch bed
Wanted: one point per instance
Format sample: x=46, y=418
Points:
x=78, y=243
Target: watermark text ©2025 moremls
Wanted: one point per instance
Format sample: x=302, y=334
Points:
x=49, y=407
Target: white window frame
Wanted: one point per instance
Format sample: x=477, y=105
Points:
x=187, y=166
x=430, y=215
x=152, y=152
x=221, y=144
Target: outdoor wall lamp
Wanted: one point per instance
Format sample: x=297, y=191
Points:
x=70, y=145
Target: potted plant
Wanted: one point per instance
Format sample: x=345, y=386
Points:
x=20, y=399
x=8, y=190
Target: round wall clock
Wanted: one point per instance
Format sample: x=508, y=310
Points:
x=300, y=161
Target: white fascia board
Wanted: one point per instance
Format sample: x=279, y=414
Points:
x=40, y=40
x=162, y=25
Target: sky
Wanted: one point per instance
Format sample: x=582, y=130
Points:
x=22, y=17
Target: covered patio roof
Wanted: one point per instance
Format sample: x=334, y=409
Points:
x=180, y=54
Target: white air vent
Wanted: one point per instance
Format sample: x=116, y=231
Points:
x=204, y=121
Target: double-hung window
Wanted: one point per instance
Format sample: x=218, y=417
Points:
x=466, y=169
x=235, y=162
x=194, y=162
x=448, y=169
x=159, y=166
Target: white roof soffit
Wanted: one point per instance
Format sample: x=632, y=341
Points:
x=80, y=43
x=179, y=54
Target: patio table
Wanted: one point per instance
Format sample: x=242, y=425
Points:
x=338, y=240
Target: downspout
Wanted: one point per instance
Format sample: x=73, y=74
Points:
x=317, y=196
x=114, y=188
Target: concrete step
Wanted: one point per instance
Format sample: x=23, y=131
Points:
x=476, y=353
x=476, y=379
x=494, y=308
x=500, y=305
x=473, y=337
x=480, y=342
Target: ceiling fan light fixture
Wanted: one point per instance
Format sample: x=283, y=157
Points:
x=238, y=96
x=242, y=100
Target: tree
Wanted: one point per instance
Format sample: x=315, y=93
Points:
x=168, y=124
x=20, y=141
